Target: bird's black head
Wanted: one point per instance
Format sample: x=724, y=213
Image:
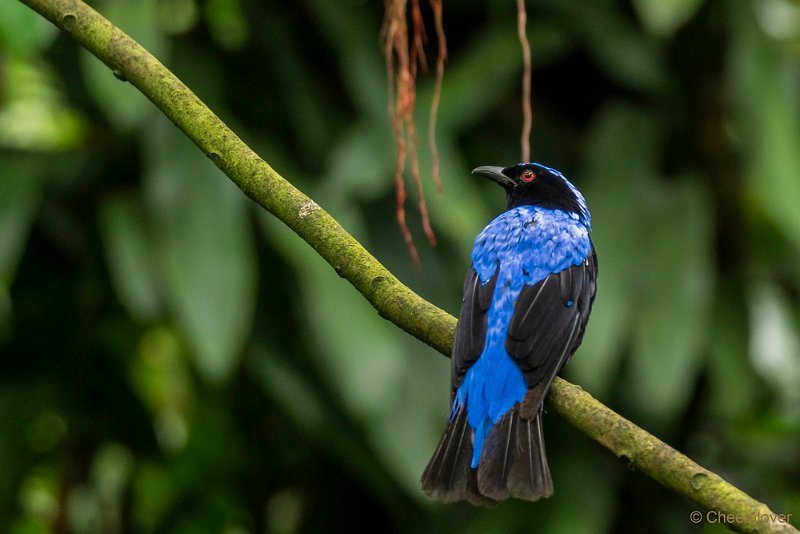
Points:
x=535, y=184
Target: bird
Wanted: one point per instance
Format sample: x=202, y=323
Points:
x=526, y=301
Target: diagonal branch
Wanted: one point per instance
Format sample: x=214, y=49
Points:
x=393, y=300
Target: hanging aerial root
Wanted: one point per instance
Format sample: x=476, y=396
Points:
x=403, y=56
x=527, y=113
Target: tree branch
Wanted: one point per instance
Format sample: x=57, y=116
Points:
x=393, y=300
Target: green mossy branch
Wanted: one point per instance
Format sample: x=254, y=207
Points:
x=722, y=502
x=392, y=299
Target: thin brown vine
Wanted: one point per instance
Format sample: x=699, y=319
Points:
x=527, y=113
x=403, y=56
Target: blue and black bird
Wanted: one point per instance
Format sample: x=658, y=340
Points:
x=527, y=298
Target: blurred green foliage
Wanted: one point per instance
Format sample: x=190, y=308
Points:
x=175, y=360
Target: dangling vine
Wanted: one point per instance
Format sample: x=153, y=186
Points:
x=527, y=113
x=403, y=56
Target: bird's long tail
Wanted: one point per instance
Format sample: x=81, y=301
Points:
x=448, y=477
x=512, y=463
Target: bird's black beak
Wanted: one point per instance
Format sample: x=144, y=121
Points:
x=495, y=174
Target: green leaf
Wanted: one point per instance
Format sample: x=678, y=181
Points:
x=130, y=256
x=481, y=79
x=160, y=377
x=380, y=374
x=775, y=345
x=205, y=248
x=664, y=17
x=764, y=81
x=623, y=144
x=732, y=386
x=655, y=274
x=154, y=492
x=622, y=50
x=227, y=23
x=20, y=192
x=673, y=308
x=33, y=115
x=178, y=16
x=357, y=165
x=289, y=388
x=23, y=32
x=596, y=493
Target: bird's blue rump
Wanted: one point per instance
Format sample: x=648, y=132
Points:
x=527, y=298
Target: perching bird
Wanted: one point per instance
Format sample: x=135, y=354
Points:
x=527, y=298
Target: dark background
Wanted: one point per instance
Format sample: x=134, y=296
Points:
x=173, y=359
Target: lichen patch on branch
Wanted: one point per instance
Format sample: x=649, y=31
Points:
x=306, y=208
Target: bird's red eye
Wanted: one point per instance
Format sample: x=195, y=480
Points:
x=527, y=175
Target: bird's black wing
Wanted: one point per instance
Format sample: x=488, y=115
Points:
x=448, y=476
x=549, y=320
x=471, y=329
x=545, y=330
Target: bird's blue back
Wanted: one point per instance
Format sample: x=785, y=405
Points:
x=522, y=246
